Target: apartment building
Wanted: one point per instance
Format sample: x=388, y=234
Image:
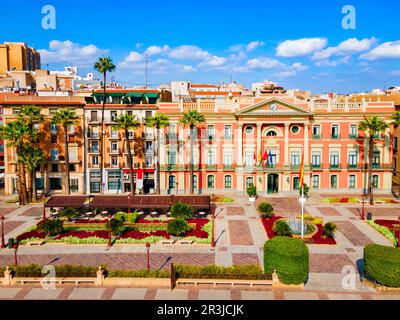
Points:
x=50, y=177
x=18, y=56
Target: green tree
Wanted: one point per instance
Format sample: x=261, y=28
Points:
x=282, y=229
x=181, y=211
x=330, y=229
x=17, y=135
x=32, y=116
x=192, y=119
x=103, y=66
x=158, y=121
x=128, y=122
x=51, y=227
x=65, y=118
x=115, y=225
x=396, y=122
x=372, y=126
x=178, y=227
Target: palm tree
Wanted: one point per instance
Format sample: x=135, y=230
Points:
x=103, y=65
x=372, y=126
x=396, y=122
x=32, y=116
x=65, y=118
x=191, y=119
x=158, y=121
x=17, y=135
x=32, y=158
x=128, y=122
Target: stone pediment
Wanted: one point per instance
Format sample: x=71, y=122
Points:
x=273, y=107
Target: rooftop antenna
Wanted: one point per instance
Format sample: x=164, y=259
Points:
x=147, y=62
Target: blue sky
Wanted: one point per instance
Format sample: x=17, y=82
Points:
x=300, y=44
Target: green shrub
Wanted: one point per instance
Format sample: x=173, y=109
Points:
x=11, y=243
x=116, y=226
x=382, y=264
x=289, y=257
x=51, y=227
x=62, y=271
x=329, y=229
x=220, y=272
x=266, y=210
x=138, y=274
x=306, y=190
x=251, y=190
x=178, y=227
x=69, y=213
x=181, y=211
x=388, y=233
x=127, y=217
x=281, y=228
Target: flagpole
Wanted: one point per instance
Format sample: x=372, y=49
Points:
x=302, y=211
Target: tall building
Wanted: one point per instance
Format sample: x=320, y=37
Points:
x=19, y=57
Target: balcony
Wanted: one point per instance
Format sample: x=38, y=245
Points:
x=334, y=166
x=93, y=135
x=317, y=136
x=353, y=167
x=335, y=136
x=353, y=136
x=149, y=136
x=93, y=120
x=294, y=167
x=211, y=167
x=316, y=167
x=149, y=151
x=113, y=151
x=93, y=150
x=228, y=167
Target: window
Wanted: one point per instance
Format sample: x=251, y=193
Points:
x=228, y=132
x=352, y=181
x=227, y=158
x=271, y=133
x=194, y=181
x=317, y=131
x=114, y=174
x=113, y=185
x=39, y=183
x=149, y=147
x=53, y=128
x=95, y=146
x=94, y=187
x=334, y=159
x=210, y=132
x=334, y=181
x=54, y=167
x=210, y=158
x=71, y=128
x=316, y=159
x=210, y=182
x=295, y=129
x=55, y=184
x=376, y=159
x=149, y=114
x=171, y=182
x=114, y=133
x=93, y=115
x=315, y=181
x=95, y=160
x=94, y=132
x=395, y=144
x=95, y=175
x=113, y=115
x=335, y=131
x=114, y=146
x=295, y=159
x=248, y=158
x=149, y=160
x=375, y=181
x=172, y=131
x=53, y=138
x=228, y=182
x=353, y=159
x=54, y=155
x=74, y=187
x=172, y=157
x=249, y=182
x=72, y=167
x=249, y=129
x=353, y=131
x=114, y=161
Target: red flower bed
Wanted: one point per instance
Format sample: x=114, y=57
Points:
x=197, y=230
x=136, y=234
x=317, y=238
x=31, y=234
x=387, y=223
x=83, y=221
x=142, y=220
x=344, y=200
x=83, y=234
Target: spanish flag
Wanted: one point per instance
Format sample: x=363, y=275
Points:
x=302, y=171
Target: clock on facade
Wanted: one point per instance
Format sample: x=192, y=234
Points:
x=273, y=107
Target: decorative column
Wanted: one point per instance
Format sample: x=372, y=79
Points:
x=286, y=144
x=240, y=145
x=258, y=139
x=306, y=147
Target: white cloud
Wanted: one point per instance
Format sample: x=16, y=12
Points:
x=213, y=61
x=71, y=52
x=254, y=45
x=263, y=63
x=349, y=46
x=333, y=63
x=395, y=73
x=300, y=47
x=387, y=50
x=290, y=71
x=188, y=69
x=188, y=52
x=154, y=50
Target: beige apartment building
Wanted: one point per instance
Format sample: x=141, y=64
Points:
x=19, y=57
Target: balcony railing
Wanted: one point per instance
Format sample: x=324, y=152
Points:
x=211, y=167
x=335, y=136
x=316, y=167
x=353, y=136
x=353, y=167
x=317, y=136
x=334, y=166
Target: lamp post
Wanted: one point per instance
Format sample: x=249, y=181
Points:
x=302, y=200
x=177, y=187
x=109, y=231
x=363, y=207
x=15, y=254
x=213, y=231
x=148, y=255
x=2, y=232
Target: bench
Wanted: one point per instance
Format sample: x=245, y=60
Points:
x=226, y=282
x=56, y=280
x=35, y=243
x=167, y=242
x=185, y=241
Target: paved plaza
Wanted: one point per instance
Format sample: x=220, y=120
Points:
x=240, y=237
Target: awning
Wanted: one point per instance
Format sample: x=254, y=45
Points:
x=109, y=202
x=108, y=94
x=142, y=95
x=67, y=201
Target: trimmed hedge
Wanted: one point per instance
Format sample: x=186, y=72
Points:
x=382, y=264
x=289, y=257
x=63, y=271
x=137, y=274
x=219, y=272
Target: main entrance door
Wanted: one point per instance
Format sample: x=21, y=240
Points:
x=273, y=183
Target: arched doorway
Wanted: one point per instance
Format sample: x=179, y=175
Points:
x=273, y=183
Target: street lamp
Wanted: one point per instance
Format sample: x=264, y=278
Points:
x=363, y=207
x=2, y=232
x=213, y=231
x=109, y=230
x=302, y=200
x=177, y=187
x=148, y=255
x=15, y=254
